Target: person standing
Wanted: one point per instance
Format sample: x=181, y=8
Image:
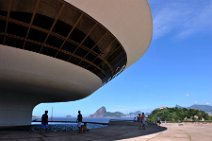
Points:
x=139, y=118
x=143, y=118
x=44, y=120
x=158, y=120
x=79, y=120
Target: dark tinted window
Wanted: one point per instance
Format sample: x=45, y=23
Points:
x=71, y=35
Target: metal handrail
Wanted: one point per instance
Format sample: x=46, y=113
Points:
x=62, y=121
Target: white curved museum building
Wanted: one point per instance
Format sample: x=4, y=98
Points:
x=56, y=50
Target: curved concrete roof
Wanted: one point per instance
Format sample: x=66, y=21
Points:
x=28, y=78
x=130, y=21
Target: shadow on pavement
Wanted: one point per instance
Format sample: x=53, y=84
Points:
x=118, y=132
x=115, y=131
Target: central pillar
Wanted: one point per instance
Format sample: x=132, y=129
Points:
x=15, y=110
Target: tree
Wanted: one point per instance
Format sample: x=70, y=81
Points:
x=177, y=114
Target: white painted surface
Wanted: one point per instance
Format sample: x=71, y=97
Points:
x=129, y=20
x=28, y=78
x=67, y=80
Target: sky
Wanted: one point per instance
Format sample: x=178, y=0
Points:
x=176, y=68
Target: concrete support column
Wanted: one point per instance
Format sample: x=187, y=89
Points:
x=15, y=110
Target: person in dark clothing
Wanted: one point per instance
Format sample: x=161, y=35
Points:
x=138, y=118
x=158, y=120
x=79, y=120
x=44, y=120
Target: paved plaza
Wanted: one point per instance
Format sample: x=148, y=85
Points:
x=179, y=132
x=120, y=131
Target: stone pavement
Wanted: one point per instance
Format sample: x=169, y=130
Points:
x=179, y=132
x=120, y=131
x=115, y=131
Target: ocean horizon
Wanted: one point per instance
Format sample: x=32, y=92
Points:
x=86, y=119
x=70, y=122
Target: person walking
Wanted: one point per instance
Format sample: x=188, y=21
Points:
x=79, y=120
x=44, y=120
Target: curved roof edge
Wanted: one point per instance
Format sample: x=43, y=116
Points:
x=130, y=22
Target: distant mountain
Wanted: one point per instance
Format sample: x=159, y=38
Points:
x=135, y=113
x=35, y=116
x=205, y=108
x=178, y=106
x=102, y=113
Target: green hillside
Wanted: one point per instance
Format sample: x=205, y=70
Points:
x=178, y=114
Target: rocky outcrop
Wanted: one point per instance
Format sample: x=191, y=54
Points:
x=102, y=113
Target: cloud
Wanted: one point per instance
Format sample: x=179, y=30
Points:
x=201, y=21
x=207, y=103
x=164, y=22
x=181, y=18
x=188, y=94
